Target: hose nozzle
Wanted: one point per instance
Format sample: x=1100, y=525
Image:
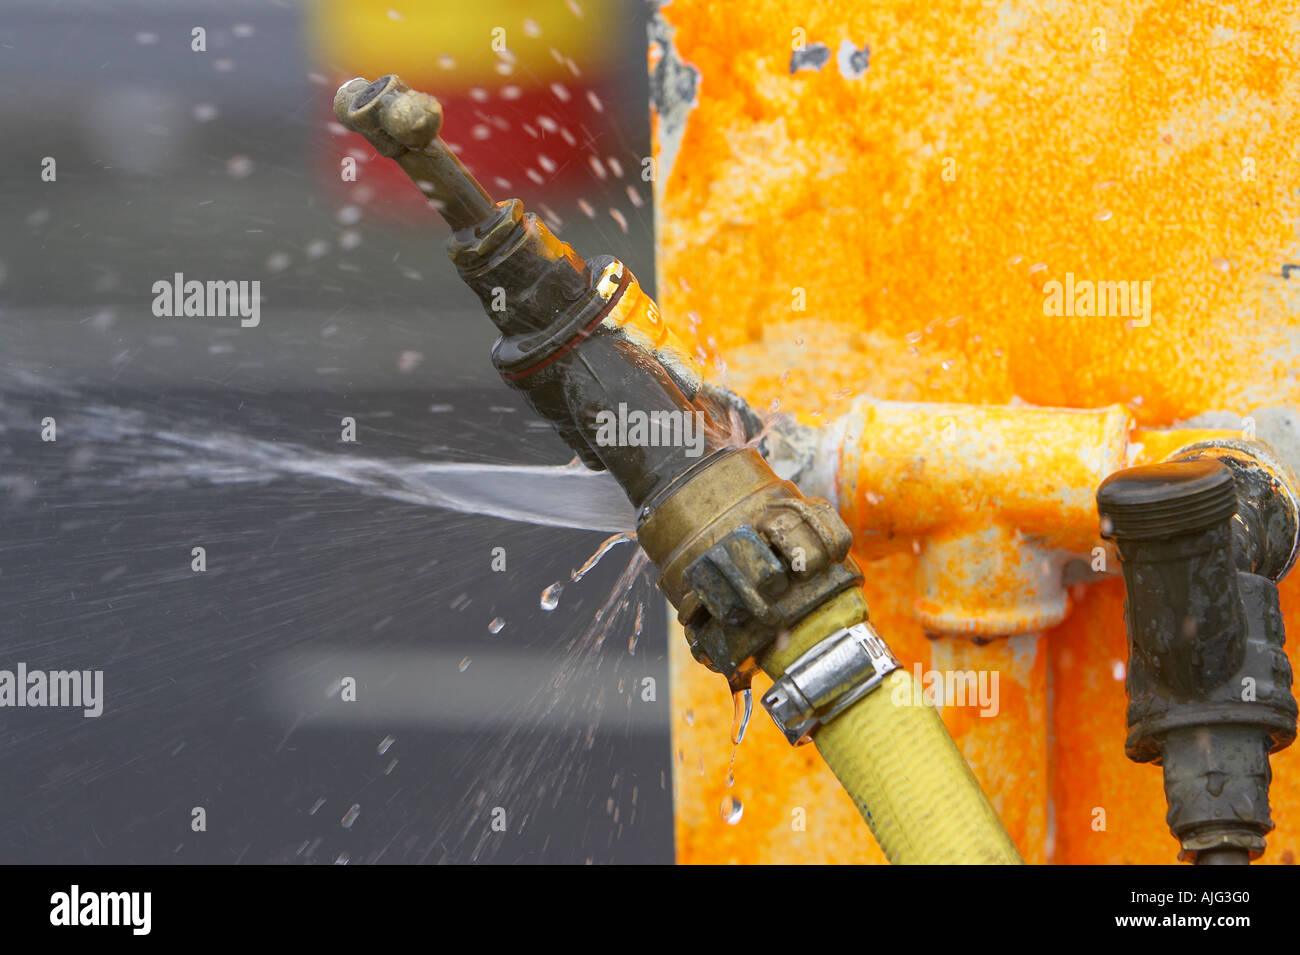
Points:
x=403, y=125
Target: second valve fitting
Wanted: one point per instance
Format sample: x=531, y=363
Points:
x=1202, y=540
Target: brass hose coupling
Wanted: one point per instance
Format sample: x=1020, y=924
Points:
x=744, y=557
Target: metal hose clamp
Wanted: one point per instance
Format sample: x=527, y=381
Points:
x=827, y=680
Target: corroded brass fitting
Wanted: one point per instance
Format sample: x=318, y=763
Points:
x=403, y=125
x=743, y=556
x=389, y=113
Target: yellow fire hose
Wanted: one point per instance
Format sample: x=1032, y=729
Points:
x=898, y=762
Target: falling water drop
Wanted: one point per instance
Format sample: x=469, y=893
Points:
x=609, y=544
x=385, y=744
x=350, y=816
x=464, y=664
x=742, y=703
x=636, y=629
x=742, y=700
x=551, y=596
x=732, y=809
x=497, y=625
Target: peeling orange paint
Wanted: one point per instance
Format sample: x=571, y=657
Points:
x=824, y=238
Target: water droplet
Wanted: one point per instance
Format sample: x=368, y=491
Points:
x=350, y=816
x=497, y=625
x=239, y=167
x=1104, y=215
x=343, y=859
x=385, y=744
x=742, y=703
x=732, y=809
x=636, y=629
x=609, y=544
x=551, y=596
x=464, y=664
x=690, y=717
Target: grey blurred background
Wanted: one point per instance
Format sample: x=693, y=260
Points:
x=223, y=165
